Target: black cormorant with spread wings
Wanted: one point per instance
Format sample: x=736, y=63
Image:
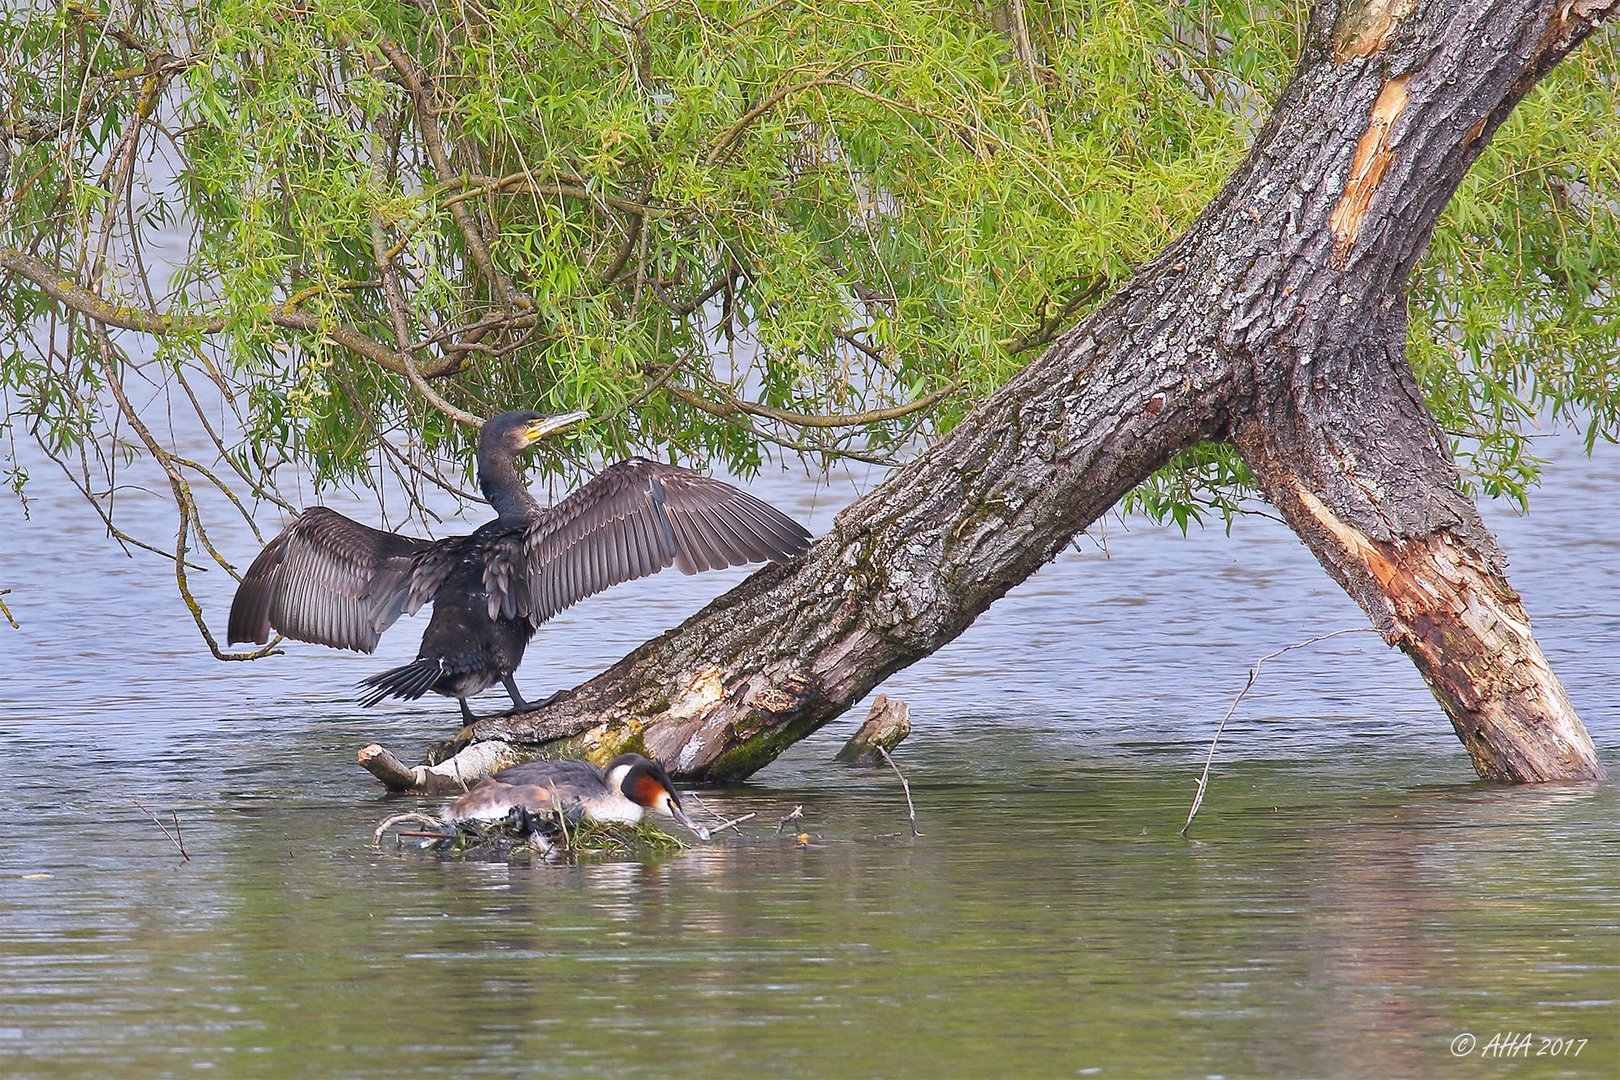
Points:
x=332, y=580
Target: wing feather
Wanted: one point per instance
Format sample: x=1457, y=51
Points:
x=639, y=517
x=328, y=579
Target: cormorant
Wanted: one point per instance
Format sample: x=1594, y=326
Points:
x=627, y=788
x=332, y=580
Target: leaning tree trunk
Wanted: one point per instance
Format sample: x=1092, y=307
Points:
x=1278, y=322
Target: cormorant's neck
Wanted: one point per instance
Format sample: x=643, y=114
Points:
x=498, y=477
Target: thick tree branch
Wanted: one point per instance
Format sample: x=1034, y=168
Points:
x=61, y=287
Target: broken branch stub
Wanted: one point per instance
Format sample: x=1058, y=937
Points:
x=885, y=727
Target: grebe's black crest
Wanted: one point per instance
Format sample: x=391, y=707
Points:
x=331, y=580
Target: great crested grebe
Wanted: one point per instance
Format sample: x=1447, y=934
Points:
x=331, y=580
x=624, y=791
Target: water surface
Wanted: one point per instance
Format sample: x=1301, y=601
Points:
x=1352, y=899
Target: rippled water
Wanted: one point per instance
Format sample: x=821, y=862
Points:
x=1352, y=901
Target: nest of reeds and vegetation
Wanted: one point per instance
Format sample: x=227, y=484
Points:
x=522, y=835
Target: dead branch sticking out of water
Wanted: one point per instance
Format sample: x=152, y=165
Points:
x=791, y=819
x=910, y=809
x=1254, y=673
x=10, y=618
x=449, y=777
x=724, y=824
x=885, y=726
x=174, y=837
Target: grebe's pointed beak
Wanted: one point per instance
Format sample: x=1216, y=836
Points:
x=679, y=815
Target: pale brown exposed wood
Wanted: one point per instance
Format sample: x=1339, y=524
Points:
x=451, y=776
x=1364, y=26
x=885, y=727
x=1446, y=603
x=1367, y=167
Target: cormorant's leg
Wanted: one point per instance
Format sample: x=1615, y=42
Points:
x=466, y=713
x=518, y=704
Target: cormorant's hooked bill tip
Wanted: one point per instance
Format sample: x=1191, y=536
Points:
x=550, y=425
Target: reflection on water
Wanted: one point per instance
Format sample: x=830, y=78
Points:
x=1351, y=902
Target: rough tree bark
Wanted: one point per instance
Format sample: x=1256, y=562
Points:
x=1277, y=322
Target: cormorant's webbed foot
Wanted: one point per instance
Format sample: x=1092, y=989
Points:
x=519, y=705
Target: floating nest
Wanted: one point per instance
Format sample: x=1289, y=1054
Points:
x=522, y=836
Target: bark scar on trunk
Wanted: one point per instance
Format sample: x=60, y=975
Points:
x=704, y=690
x=1366, y=169
x=1466, y=628
x=1364, y=28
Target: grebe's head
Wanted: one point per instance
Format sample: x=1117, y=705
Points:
x=645, y=783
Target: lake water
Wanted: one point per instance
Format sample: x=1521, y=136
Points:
x=1353, y=902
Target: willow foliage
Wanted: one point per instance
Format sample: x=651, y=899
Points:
x=833, y=226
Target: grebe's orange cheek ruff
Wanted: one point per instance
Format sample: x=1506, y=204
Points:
x=646, y=790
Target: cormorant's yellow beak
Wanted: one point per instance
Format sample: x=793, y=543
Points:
x=550, y=425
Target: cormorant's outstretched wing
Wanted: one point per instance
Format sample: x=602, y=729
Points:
x=329, y=579
x=637, y=518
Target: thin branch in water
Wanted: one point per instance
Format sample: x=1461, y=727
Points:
x=413, y=816
x=794, y=818
x=174, y=837
x=733, y=823
x=10, y=618
x=1254, y=673
x=910, y=809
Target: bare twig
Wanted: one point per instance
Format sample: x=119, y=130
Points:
x=10, y=618
x=794, y=818
x=1254, y=673
x=174, y=837
x=1025, y=49
x=184, y=503
x=562, y=818
x=910, y=809
x=732, y=823
x=414, y=816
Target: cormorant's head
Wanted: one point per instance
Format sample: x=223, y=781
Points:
x=645, y=783
x=515, y=431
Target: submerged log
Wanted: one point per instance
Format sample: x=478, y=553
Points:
x=885, y=726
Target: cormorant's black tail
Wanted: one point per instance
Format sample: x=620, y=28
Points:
x=409, y=682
